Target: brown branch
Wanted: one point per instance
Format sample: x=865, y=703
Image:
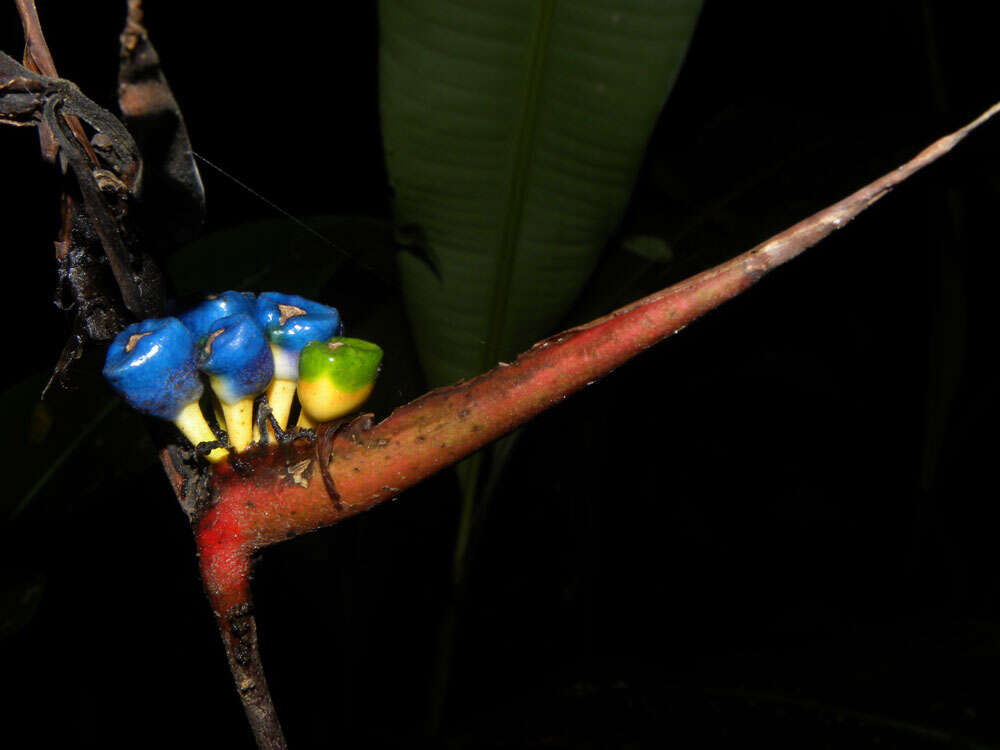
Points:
x=156, y=173
x=307, y=484
x=97, y=206
x=238, y=628
x=173, y=198
x=38, y=58
x=239, y=636
x=36, y=50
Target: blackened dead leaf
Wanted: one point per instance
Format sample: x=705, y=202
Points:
x=170, y=191
x=105, y=279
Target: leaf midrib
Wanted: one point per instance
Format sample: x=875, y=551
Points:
x=514, y=210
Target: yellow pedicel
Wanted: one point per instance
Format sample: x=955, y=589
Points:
x=192, y=423
x=279, y=397
x=322, y=401
x=239, y=418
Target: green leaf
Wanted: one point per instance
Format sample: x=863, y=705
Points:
x=43, y=437
x=278, y=254
x=513, y=134
x=651, y=248
x=20, y=595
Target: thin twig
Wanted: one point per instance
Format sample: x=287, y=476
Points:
x=36, y=50
x=38, y=58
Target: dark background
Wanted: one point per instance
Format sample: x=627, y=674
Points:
x=778, y=526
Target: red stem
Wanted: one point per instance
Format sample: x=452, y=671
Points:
x=286, y=494
x=302, y=486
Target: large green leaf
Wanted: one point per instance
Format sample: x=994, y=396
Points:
x=279, y=254
x=64, y=446
x=513, y=134
x=20, y=595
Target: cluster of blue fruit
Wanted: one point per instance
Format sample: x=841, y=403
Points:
x=245, y=345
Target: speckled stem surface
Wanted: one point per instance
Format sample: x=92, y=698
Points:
x=287, y=490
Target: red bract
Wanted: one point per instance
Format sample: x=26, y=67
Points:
x=291, y=489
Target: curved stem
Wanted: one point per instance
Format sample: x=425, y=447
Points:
x=309, y=483
x=239, y=636
x=287, y=492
